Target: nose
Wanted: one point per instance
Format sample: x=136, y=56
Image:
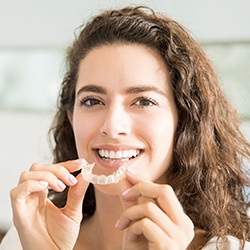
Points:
x=116, y=122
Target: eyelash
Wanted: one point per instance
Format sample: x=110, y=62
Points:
x=150, y=102
x=138, y=102
x=89, y=99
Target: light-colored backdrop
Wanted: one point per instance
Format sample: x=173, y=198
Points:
x=36, y=24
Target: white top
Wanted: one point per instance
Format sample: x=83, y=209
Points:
x=11, y=242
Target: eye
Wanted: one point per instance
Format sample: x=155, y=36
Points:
x=144, y=102
x=90, y=102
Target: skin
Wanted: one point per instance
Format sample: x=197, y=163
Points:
x=109, y=113
x=123, y=101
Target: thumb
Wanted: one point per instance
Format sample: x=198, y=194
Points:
x=131, y=179
x=73, y=208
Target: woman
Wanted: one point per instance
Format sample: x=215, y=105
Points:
x=138, y=92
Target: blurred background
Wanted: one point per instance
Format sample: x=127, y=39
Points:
x=33, y=38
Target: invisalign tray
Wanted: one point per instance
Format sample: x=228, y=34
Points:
x=101, y=179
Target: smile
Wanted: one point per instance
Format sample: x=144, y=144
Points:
x=123, y=155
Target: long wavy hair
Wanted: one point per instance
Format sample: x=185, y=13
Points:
x=207, y=170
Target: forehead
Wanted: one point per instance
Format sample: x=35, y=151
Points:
x=130, y=64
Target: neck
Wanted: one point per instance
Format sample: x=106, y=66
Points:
x=101, y=225
x=108, y=209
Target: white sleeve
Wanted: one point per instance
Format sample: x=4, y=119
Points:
x=11, y=240
x=231, y=243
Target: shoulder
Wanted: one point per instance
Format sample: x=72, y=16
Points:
x=229, y=243
x=11, y=240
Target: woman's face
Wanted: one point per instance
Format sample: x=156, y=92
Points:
x=124, y=111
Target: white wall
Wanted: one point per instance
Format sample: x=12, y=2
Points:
x=50, y=24
x=23, y=142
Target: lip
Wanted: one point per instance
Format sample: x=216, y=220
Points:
x=116, y=147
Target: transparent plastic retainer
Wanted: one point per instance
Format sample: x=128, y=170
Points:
x=101, y=179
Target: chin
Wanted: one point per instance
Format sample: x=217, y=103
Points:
x=114, y=189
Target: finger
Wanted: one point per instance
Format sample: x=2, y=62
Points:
x=23, y=190
x=146, y=210
x=131, y=179
x=33, y=192
x=71, y=166
x=156, y=238
x=151, y=211
x=73, y=208
x=61, y=171
x=25, y=199
x=164, y=196
x=56, y=181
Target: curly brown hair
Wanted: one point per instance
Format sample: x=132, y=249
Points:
x=207, y=170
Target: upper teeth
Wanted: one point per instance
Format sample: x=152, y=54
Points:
x=118, y=154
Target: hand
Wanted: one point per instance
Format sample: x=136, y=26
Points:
x=153, y=218
x=40, y=224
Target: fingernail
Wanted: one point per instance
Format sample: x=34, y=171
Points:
x=131, y=170
x=117, y=224
x=125, y=192
x=43, y=183
x=78, y=161
x=122, y=223
x=72, y=179
x=61, y=185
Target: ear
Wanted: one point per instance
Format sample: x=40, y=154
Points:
x=70, y=117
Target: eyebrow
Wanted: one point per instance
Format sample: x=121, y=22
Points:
x=92, y=88
x=146, y=88
x=131, y=90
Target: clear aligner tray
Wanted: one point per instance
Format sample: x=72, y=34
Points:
x=101, y=179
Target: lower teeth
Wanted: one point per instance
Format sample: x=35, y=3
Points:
x=116, y=159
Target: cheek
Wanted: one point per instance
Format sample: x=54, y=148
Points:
x=84, y=124
x=160, y=141
x=83, y=131
x=161, y=130
x=167, y=132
